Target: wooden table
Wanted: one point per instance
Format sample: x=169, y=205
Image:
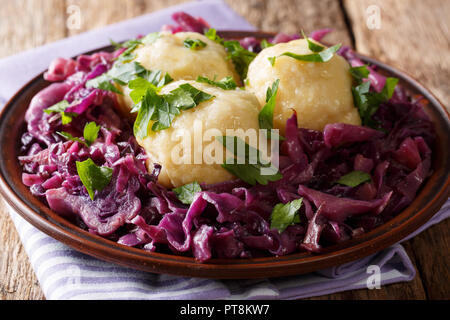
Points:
x=413, y=36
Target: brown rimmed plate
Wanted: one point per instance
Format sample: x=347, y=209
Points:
x=429, y=200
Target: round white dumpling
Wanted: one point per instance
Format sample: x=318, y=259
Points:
x=168, y=54
x=229, y=109
x=320, y=92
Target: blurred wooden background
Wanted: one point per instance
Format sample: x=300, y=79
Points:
x=413, y=35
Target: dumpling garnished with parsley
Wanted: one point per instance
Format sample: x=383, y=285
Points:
x=182, y=56
x=320, y=92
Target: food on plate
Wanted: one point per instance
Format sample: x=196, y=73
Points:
x=353, y=150
x=320, y=93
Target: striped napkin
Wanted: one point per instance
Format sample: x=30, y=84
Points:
x=67, y=274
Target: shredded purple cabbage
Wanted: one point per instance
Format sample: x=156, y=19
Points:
x=230, y=219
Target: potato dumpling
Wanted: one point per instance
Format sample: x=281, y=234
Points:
x=320, y=92
x=229, y=109
x=169, y=55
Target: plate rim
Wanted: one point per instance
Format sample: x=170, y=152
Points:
x=96, y=246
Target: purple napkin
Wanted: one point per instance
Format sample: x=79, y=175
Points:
x=67, y=274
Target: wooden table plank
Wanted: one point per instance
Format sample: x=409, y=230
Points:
x=102, y=12
x=291, y=16
x=25, y=24
x=17, y=281
x=432, y=255
x=17, y=278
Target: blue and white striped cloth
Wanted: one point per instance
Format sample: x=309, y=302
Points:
x=67, y=274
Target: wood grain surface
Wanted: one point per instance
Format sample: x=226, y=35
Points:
x=413, y=36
